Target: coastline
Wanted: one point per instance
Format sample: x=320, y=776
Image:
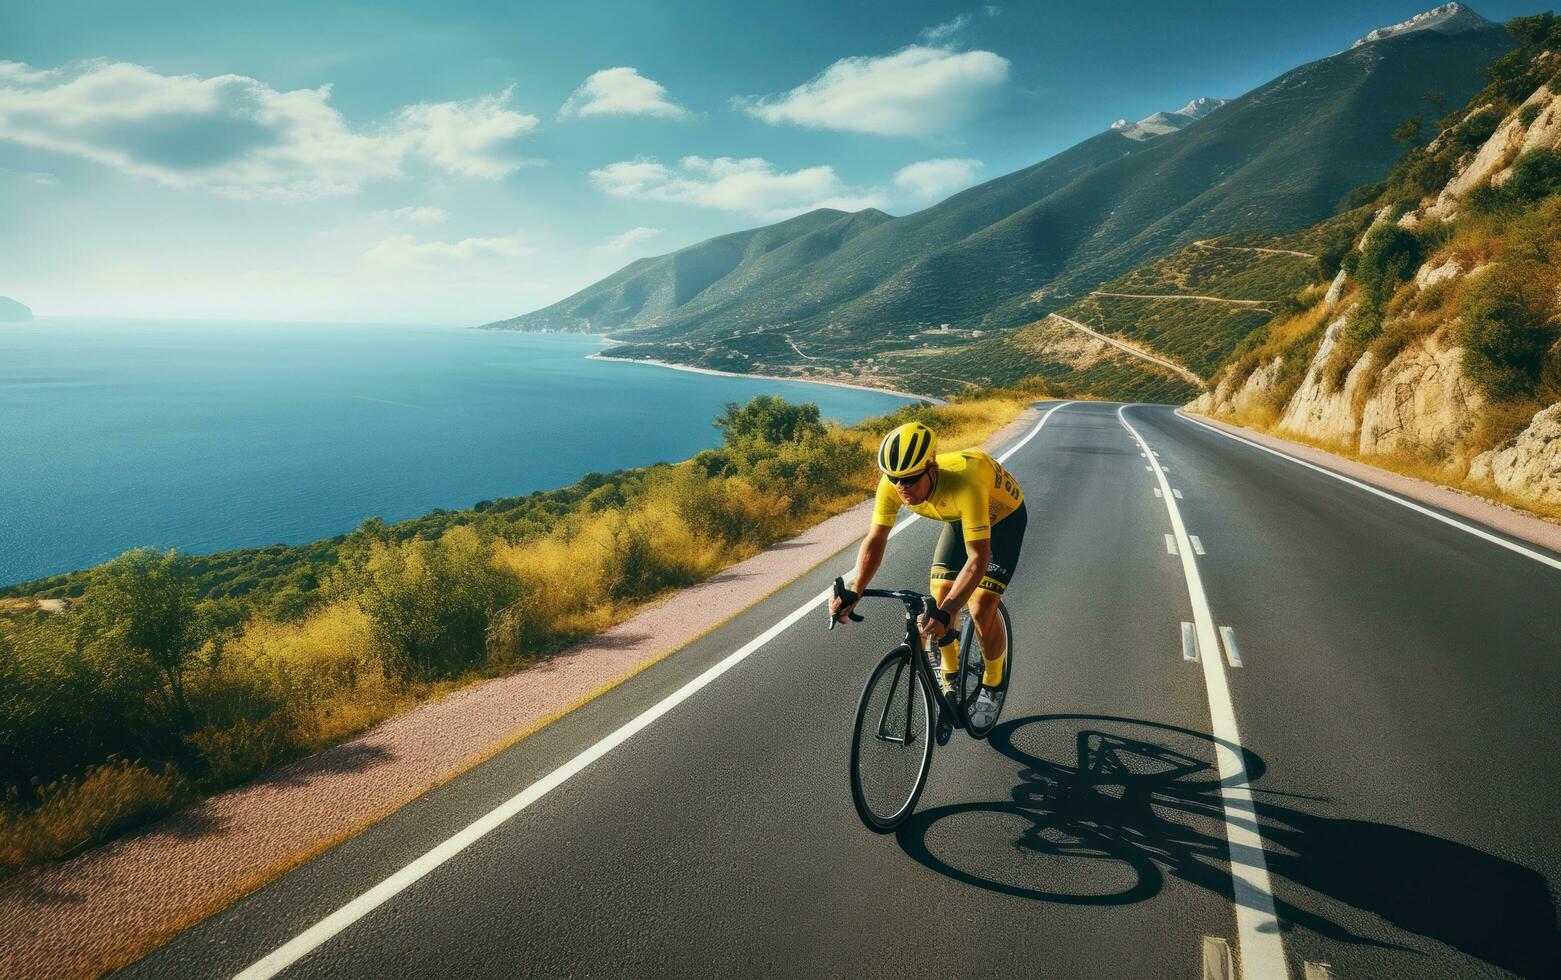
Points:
x=598, y=356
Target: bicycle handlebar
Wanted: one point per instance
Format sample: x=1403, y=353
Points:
x=915, y=602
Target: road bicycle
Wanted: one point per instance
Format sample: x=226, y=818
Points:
x=904, y=712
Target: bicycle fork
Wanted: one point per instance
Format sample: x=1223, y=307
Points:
x=910, y=704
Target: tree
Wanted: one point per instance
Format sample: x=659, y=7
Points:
x=769, y=419
x=145, y=602
x=1409, y=132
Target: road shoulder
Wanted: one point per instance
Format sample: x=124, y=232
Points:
x=114, y=904
x=1497, y=517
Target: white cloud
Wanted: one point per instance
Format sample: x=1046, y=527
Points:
x=403, y=252
x=917, y=91
x=417, y=215
x=622, y=92
x=946, y=30
x=238, y=136
x=34, y=177
x=473, y=138
x=751, y=186
x=932, y=179
x=993, y=10
x=15, y=71
x=630, y=240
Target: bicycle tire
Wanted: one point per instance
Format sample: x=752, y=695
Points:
x=968, y=644
x=888, y=776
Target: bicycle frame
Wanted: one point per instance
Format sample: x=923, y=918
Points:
x=916, y=604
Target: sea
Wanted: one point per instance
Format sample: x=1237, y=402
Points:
x=206, y=436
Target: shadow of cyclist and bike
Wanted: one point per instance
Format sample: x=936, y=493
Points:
x=1105, y=808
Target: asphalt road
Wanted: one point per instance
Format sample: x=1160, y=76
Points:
x=1397, y=703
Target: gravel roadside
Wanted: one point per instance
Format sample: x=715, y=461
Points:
x=114, y=904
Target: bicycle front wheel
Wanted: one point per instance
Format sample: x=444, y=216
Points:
x=891, y=747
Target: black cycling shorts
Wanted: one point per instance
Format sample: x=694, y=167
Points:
x=1007, y=540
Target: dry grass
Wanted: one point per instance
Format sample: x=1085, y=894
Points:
x=73, y=813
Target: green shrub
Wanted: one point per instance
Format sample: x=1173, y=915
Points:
x=432, y=602
x=1506, y=327
x=1388, y=257
x=1535, y=175
x=67, y=702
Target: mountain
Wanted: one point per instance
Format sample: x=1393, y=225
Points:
x=1450, y=18
x=848, y=287
x=650, y=290
x=1162, y=123
x=13, y=312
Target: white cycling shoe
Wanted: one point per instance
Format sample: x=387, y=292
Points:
x=988, y=705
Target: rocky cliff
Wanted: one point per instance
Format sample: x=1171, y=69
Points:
x=1454, y=361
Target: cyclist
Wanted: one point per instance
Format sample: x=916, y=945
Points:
x=982, y=507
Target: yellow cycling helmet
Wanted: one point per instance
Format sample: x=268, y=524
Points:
x=906, y=450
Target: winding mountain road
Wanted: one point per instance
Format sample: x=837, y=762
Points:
x=1137, y=352
x=1368, y=724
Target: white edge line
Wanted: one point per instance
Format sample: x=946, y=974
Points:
x=1259, y=945
x=1428, y=512
x=322, y=931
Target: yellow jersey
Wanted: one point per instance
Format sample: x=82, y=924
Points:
x=972, y=488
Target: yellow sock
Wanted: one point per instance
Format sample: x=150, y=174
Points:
x=950, y=651
x=993, y=675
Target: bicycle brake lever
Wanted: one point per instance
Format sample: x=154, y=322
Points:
x=840, y=589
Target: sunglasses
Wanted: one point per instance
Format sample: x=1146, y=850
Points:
x=905, y=481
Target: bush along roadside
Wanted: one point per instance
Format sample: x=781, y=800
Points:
x=155, y=686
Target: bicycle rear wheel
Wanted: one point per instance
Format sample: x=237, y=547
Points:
x=891, y=746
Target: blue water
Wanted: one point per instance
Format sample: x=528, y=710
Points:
x=208, y=436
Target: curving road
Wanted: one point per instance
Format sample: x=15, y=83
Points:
x=1391, y=803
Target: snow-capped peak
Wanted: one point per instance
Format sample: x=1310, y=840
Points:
x=1198, y=108
x=1161, y=123
x=1449, y=18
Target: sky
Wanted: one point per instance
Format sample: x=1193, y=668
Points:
x=461, y=162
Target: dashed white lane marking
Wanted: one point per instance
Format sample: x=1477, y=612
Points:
x=1189, y=643
x=322, y=931
x=1170, y=544
x=1157, y=491
x=1217, y=964
x=1176, y=493
x=1318, y=971
x=1147, y=467
x=1428, y=512
x=1259, y=945
x=1197, y=546
x=1232, y=652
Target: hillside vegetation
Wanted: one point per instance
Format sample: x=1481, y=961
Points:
x=1435, y=350
x=167, y=676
